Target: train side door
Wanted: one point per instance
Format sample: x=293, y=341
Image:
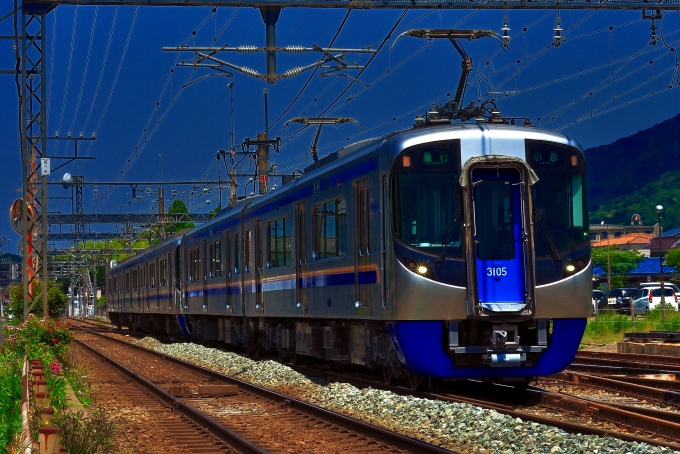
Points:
x=362, y=257
x=498, y=214
x=259, y=271
x=384, y=291
x=204, y=274
x=229, y=270
x=301, y=258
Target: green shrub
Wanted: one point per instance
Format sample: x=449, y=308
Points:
x=86, y=432
x=39, y=338
x=10, y=398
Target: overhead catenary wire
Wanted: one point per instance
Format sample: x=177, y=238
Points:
x=101, y=75
x=148, y=130
x=68, y=68
x=49, y=75
x=145, y=137
x=87, y=65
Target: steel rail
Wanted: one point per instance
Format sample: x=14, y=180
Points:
x=218, y=430
x=669, y=385
x=604, y=366
x=644, y=392
x=630, y=357
x=399, y=441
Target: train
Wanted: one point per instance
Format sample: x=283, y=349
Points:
x=447, y=250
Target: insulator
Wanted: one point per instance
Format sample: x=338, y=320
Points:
x=505, y=30
x=247, y=49
x=558, y=33
x=653, y=37
x=250, y=72
x=292, y=72
x=293, y=49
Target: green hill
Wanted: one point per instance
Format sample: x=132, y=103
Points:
x=636, y=173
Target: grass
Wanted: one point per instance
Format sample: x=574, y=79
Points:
x=610, y=326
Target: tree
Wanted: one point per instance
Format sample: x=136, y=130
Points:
x=622, y=262
x=56, y=299
x=673, y=258
x=178, y=207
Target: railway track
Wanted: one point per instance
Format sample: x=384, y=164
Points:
x=267, y=421
x=570, y=413
x=185, y=431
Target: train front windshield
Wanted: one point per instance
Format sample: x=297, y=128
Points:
x=560, y=209
x=426, y=206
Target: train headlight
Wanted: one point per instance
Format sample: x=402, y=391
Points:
x=570, y=268
x=419, y=267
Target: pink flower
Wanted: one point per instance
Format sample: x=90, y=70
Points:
x=55, y=367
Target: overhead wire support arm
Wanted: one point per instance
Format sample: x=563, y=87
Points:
x=204, y=54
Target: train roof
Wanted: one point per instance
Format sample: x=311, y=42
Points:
x=414, y=136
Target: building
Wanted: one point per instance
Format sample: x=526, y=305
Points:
x=628, y=242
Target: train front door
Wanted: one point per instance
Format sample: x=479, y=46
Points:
x=499, y=223
x=301, y=258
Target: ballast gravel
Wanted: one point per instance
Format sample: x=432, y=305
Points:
x=459, y=427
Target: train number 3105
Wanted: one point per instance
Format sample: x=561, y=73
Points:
x=496, y=271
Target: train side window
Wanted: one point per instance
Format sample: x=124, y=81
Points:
x=330, y=229
x=152, y=275
x=195, y=262
x=279, y=243
x=135, y=287
x=227, y=254
x=248, y=250
x=237, y=253
x=185, y=265
x=216, y=258
x=163, y=273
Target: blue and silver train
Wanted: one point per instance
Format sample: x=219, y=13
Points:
x=451, y=251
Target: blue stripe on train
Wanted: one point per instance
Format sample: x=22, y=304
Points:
x=419, y=346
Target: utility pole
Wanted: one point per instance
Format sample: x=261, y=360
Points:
x=161, y=212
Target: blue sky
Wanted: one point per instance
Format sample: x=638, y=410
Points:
x=120, y=93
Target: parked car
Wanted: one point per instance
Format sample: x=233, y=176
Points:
x=597, y=295
x=617, y=299
x=658, y=284
x=650, y=297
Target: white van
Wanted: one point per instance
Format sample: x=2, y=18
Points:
x=650, y=297
x=658, y=284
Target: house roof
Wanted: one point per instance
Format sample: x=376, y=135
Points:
x=666, y=243
x=671, y=232
x=650, y=266
x=630, y=238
